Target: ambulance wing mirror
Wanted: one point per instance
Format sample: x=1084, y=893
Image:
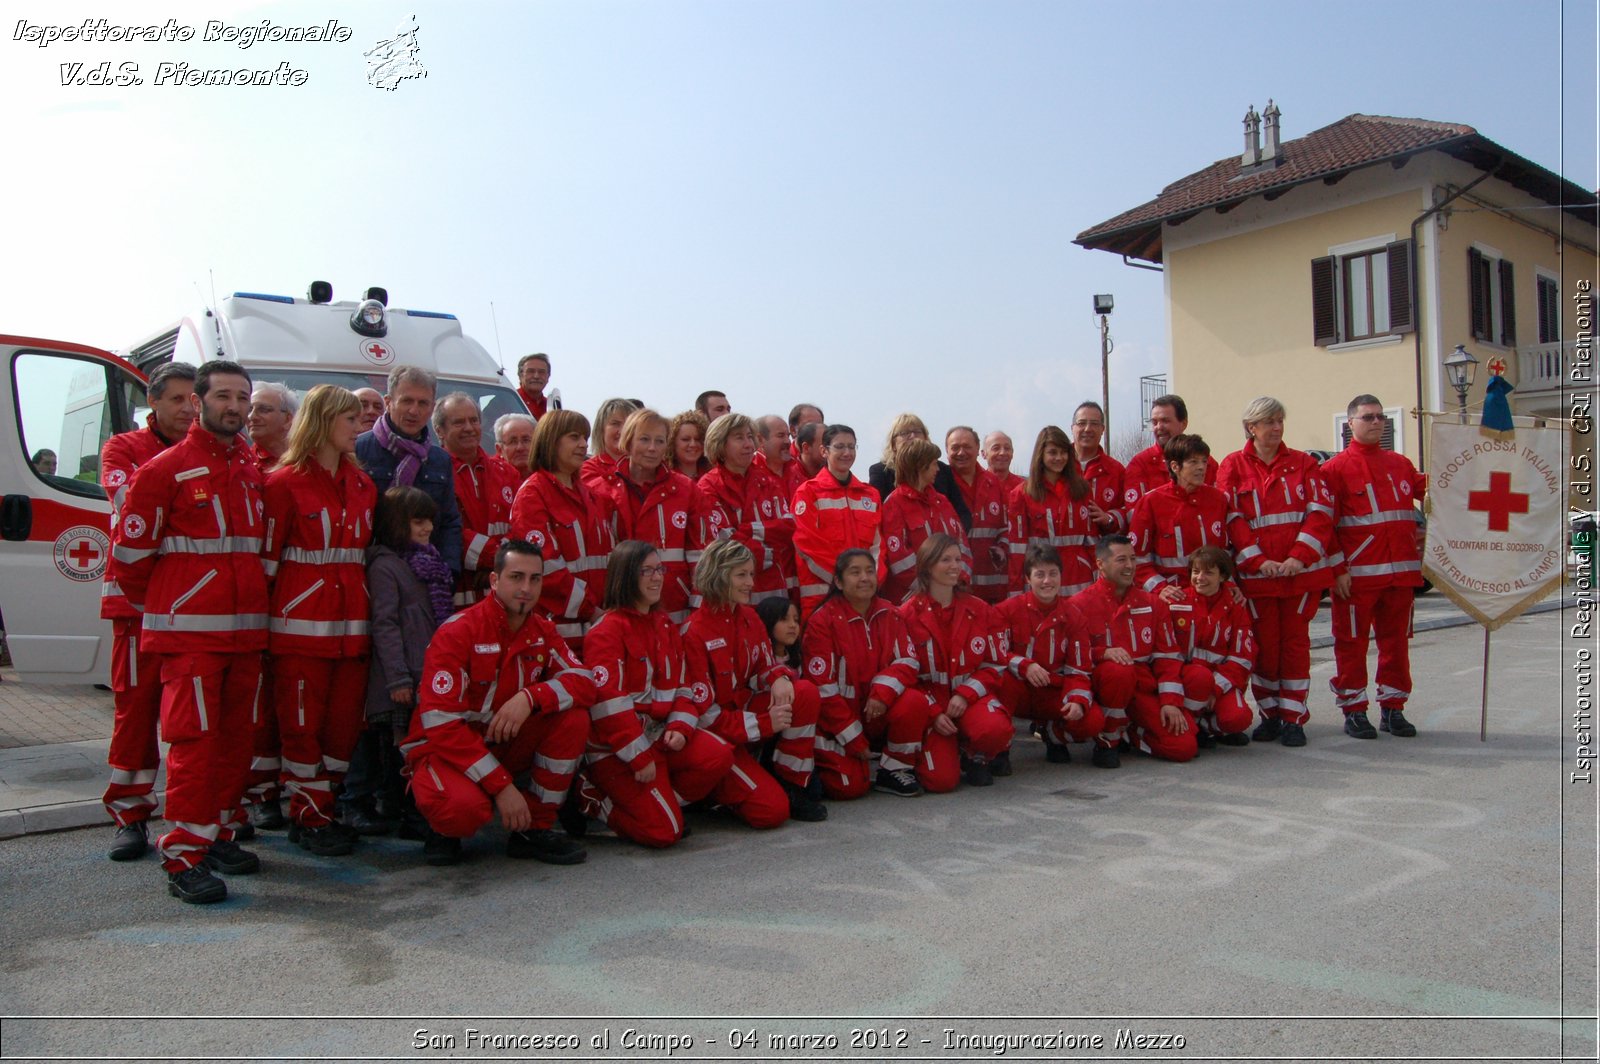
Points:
x=369, y=319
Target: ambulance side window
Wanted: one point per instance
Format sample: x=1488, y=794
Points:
x=67, y=408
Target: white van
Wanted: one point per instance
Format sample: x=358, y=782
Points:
x=62, y=401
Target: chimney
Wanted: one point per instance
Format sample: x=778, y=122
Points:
x=1272, y=150
x=1252, y=139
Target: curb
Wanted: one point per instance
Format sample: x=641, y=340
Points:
x=62, y=816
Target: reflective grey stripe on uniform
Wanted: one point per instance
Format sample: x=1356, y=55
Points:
x=204, y=622
x=499, y=528
x=1276, y=519
x=474, y=551
x=989, y=579
x=908, y=562
x=1169, y=688
x=890, y=682
x=130, y=555
x=671, y=554
x=1379, y=518
x=291, y=626
x=634, y=749
x=1386, y=568
x=479, y=769
x=220, y=545
x=1311, y=541
x=985, y=533
x=611, y=707
x=334, y=556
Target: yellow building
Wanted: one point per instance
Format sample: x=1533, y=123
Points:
x=1355, y=259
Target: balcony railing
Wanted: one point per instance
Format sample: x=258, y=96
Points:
x=1543, y=368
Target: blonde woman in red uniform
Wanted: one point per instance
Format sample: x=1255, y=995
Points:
x=605, y=445
x=748, y=504
x=686, y=436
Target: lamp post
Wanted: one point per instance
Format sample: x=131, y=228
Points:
x=1461, y=368
x=1102, y=307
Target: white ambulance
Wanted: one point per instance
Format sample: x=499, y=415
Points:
x=62, y=401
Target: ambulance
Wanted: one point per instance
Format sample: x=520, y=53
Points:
x=62, y=401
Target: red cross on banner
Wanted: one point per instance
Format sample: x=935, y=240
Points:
x=1499, y=502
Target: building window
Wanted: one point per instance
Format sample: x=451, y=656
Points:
x=1492, y=298
x=1363, y=294
x=1549, y=310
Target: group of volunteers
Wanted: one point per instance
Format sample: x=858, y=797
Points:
x=360, y=608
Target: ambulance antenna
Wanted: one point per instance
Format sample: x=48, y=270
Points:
x=213, y=275
x=498, y=353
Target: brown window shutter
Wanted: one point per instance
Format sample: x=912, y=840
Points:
x=1324, y=307
x=1508, y=306
x=1479, y=298
x=1402, y=307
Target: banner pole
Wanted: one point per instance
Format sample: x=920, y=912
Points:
x=1483, y=715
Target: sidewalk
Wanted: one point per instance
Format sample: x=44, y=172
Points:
x=53, y=739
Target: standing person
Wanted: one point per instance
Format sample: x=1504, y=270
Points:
x=744, y=695
x=776, y=452
x=748, y=504
x=502, y=695
x=485, y=487
x=399, y=450
x=987, y=523
x=1379, y=532
x=572, y=526
x=1281, y=493
x=1147, y=470
x=606, y=441
x=134, y=755
x=998, y=453
x=1047, y=678
x=647, y=754
x=187, y=554
x=272, y=409
x=319, y=522
x=1213, y=629
x=913, y=512
x=712, y=405
x=808, y=451
x=1052, y=507
x=687, y=438
x=881, y=474
x=958, y=639
x=1103, y=472
x=371, y=408
x=533, y=376
x=1137, y=677
x=1169, y=523
x=513, y=443
x=663, y=508
x=859, y=653
x=833, y=512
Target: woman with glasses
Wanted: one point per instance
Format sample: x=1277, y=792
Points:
x=833, y=512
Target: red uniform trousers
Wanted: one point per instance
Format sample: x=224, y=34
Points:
x=320, y=709
x=794, y=756
x=1281, y=679
x=266, y=761
x=1045, y=705
x=1127, y=693
x=984, y=729
x=135, y=754
x=1216, y=712
x=1386, y=612
x=651, y=814
x=548, y=746
x=206, y=703
x=843, y=738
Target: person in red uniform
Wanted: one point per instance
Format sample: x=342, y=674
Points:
x=1047, y=677
x=1213, y=629
x=533, y=376
x=1053, y=507
x=998, y=453
x=987, y=512
x=913, y=512
x=501, y=695
x=319, y=522
x=1168, y=524
x=134, y=755
x=1103, y=472
x=605, y=443
x=1137, y=677
x=809, y=451
x=959, y=643
x=1281, y=493
x=647, y=755
x=1147, y=470
x=776, y=454
x=272, y=410
x=748, y=504
x=660, y=507
x=857, y=650
x=485, y=486
x=833, y=512
x=513, y=443
x=744, y=695
x=687, y=440
x=187, y=555
x=1375, y=495
x=572, y=526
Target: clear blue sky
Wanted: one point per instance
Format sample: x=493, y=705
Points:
x=869, y=205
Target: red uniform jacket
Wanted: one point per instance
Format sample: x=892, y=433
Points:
x=474, y=664
x=1139, y=623
x=187, y=552
x=485, y=489
x=989, y=536
x=1105, y=475
x=318, y=529
x=830, y=518
x=1291, y=513
x=1375, y=493
x=596, y=469
x=1215, y=631
x=1169, y=523
x=641, y=676
x=119, y=458
x=791, y=475
x=753, y=509
x=960, y=648
x=854, y=658
x=909, y=518
x=730, y=662
x=672, y=514
x=264, y=459
x=536, y=404
x=1147, y=471
x=1061, y=521
x=574, y=528
x=1051, y=637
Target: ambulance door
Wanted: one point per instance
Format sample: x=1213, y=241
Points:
x=59, y=403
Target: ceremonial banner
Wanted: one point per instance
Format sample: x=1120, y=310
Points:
x=1496, y=516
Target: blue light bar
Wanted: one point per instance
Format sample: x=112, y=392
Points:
x=263, y=295
x=429, y=314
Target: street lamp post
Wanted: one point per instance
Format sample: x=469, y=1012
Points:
x=1102, y=307
x=1461, y=368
